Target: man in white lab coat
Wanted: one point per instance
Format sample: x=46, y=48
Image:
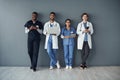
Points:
x=51, y=42
x=84, y=43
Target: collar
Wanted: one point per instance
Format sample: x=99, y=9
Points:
x=87, y=23
x=66, y=28
x=53, y=22
x=34, y=22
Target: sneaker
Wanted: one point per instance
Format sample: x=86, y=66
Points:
x=51, y=67
x=58, y=65
x=70, y=67
x=66, y=67
x=81, y=66
x=31, y=67
x=85, y=67
x=34, y=69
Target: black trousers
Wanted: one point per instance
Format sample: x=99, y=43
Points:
x=33, y=50
x=85, y=52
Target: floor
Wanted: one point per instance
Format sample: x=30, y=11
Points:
x=91, y=73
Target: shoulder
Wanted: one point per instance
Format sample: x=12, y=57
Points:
x=63, y=28
x=79, y=24
x=39, y=22
x=56, y=22
x=89, y=23
x=29, y=21
x=72, y=28
x=47, y=23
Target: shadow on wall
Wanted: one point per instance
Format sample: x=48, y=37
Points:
x=93, y=50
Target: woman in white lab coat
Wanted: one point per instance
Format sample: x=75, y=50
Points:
x=51, y=42
x=84, y=42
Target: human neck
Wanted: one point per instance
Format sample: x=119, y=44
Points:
x=84, y=21
x=68, y=27
x=34, y=20
x=51, y=21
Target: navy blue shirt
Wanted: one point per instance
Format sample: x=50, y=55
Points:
x=33, y=33
x=65, y=32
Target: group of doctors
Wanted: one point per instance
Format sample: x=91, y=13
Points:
x=34, y=28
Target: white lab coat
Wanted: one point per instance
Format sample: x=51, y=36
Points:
x=81, y=34
x=54, y=37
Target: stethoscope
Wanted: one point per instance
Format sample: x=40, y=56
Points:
x=84, y=26
x=71, y=32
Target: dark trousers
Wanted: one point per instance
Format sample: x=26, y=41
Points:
x=85, y=52
x=33, y=50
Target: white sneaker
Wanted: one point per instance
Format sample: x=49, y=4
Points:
x=58, y=65
x=66, y=67
x=70, y=67
x=51, y=67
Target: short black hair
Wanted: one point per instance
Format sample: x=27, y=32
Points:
x=84, y=14
x=35, y=13
x=68, y=20
x=53, y=13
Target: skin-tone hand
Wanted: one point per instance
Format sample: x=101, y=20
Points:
x=35, y=28
x=51, y=34
x=69, y=36
x=66, y=36
x=72, y=36
x=86, y=31
x=32, y=27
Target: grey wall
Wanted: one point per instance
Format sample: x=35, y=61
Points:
x=104, y=14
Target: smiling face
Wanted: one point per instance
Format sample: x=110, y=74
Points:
x=85, y=17
x=34, y=16
x=68, y=23
x=52, y=16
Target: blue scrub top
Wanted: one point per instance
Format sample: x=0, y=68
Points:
x=65, y=32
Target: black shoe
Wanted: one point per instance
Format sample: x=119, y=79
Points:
x=85, y=67
x=31, y=67
x=81, y=66
x=34, y=69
